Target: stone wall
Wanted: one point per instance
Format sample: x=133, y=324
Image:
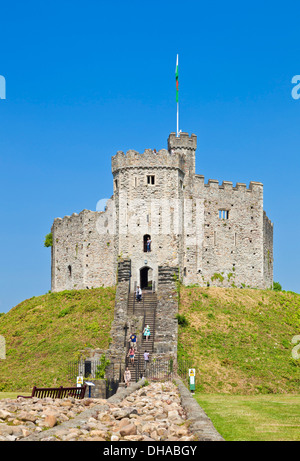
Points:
x=98, y=391
x=166, y=332
x=225, y=241
x=83, y=253
x=117, y=351
x=268, y=252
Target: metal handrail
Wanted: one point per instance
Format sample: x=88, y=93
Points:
x=137, y=370
x=154, y=317
x=128, y=294
x=143, y=327
x=134, y=297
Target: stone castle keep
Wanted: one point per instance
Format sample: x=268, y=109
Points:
x=210, y=233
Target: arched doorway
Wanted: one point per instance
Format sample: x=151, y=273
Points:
x=144, y=277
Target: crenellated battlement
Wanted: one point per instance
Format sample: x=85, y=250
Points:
x=267, y=220
x=78, y=216
x=228, y=185
x=148, y=159
x=173, y=157
x=183, y=142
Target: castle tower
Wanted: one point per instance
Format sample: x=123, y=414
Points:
x=215, y=234
x=185, y=146
x=149, y=193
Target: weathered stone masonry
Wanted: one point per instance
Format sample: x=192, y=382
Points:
x=216, y=234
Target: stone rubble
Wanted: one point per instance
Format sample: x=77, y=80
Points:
x=150, y=413
x=21, y=417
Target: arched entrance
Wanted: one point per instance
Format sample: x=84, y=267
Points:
x=144, y=277
x=146, y=274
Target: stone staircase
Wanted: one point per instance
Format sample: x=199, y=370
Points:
x=146, y=308
x=157, y=309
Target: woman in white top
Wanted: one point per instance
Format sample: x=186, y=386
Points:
x=146, y=332
x=138, y=294
x=127, y=377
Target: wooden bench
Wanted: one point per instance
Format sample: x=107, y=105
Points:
x=57, y=392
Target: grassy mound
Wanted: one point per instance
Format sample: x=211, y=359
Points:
x=44, y=333
x=240, y=339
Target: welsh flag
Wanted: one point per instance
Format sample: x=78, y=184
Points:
x=176, y=76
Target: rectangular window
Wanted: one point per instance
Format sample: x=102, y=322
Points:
x=150, y=179
x=223, y=214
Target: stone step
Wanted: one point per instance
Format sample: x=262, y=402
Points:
x=145, y=298
x=142, y=304
x=147, y=306
x=142, y=308
x=147, y=293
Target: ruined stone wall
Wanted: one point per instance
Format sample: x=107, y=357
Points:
x=225, y=250
x=67, y=254
x=268, y=251
x=83, y=253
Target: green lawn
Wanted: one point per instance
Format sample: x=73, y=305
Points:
x=44, y=333
x=253, y=418
x=12, y=395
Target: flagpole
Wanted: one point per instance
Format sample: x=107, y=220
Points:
x=177, y=119
x=177, y=99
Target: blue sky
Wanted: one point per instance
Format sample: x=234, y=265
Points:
x=86, y=79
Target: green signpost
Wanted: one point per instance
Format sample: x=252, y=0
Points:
x=192, y=379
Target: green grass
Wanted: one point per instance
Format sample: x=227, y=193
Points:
x=44, y=333
x=254, y=418
x=12, y=395
x=240, y=339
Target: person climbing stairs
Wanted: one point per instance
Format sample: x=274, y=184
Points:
x=145, y=308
